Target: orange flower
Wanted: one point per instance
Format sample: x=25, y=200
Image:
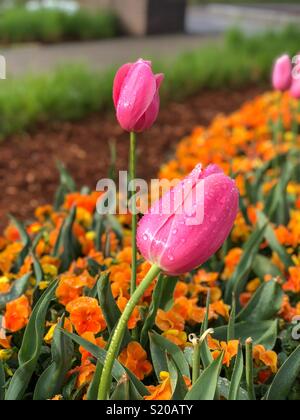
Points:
x=163, y=391
x=71, y=286
x=89, y=336
x=87, y=202
x=170, y=320
x=231, y=261
x=134, y=358
x=17, y=314
x=230, y=349
x=86, y=315
x=267, y=357
x=85, y=373
x=135, y=316
x=177, y=337
x=293, y=283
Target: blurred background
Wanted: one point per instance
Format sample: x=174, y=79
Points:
x=61, y=57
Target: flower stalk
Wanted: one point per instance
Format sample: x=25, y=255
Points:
x=249, y=369
x=132, y=174
x=119, y=332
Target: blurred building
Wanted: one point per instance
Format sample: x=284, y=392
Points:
x=142, y=17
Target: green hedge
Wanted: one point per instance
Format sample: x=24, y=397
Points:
x=73, y=92
x=50, y=25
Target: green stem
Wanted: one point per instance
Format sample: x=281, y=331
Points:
x=118, y=334
x=249, y=369
x=196, y=362
x=132, y=174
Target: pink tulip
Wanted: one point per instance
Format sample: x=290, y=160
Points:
x=136, y=96
x=295, y=88
x=169, y=240
x=282, y=73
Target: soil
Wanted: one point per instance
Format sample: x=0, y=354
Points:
x=28, y=174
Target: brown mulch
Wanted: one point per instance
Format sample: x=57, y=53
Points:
x=28, y=175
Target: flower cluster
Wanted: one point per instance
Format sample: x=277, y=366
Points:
x=90, y=258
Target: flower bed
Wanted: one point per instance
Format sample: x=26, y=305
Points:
x=55, y=329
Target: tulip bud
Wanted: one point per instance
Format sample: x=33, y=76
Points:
x=136, y=96
x=282, y=73
x=170, y=240
x=295, y=88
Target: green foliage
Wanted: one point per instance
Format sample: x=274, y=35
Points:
x=50, y=25
x=72, y=92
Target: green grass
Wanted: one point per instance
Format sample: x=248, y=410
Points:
x=49, y=25
x=73, y=92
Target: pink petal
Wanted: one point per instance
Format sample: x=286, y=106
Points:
x=119, y=80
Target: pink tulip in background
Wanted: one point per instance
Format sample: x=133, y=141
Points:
x=282, y=73
x=295, y=89
x=169, y=242
x=136, y=96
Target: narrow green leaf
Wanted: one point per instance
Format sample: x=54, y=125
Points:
x=285, y=378
x=174, y=351
x=92, y=393
x=31, y=346
x=263, y=266
x=100, y=354
x=264, y=332
x=71, y=248
x=51, y=381
x=272, y=240
x=239, y=279
x=224, y=388
x=264, y=305
x=167, y=298
x=109, y=307
x=231, y=322
x=236, y=376
x=2, y=381
x=158, y=356
x=205, y=353
x=178, y=385
x=154, y=306
x=206, y=386
x=18, y=288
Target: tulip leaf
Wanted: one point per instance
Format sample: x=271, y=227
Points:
x=52, y=379
x=18, y=288
x=2, y=381
x=92, y=393
x=236, y=376
x=178, y=385
x=285, y=378
x=71, y=248
x=206, y=385
x=224, y=388
x=100, y=354
x=205, y=353
x=167, y=298
x=115, y=226
x=154, y=306
x=272, y=240
x=239, y=279
x=264, y=332
x=125, y=391
x=263, y=266
x=31, y=346
x=67, y=185
x=264, y=305
x=158, y=356
x=109, y=307
x=37, y=269
x=26, y=241
x=276, y=207
x=174, y=351
x=231, y=322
